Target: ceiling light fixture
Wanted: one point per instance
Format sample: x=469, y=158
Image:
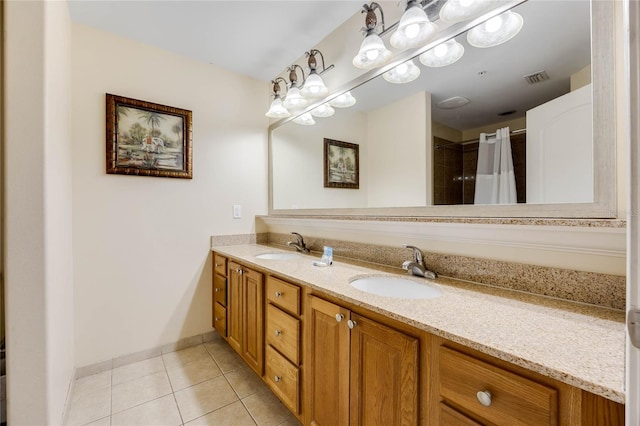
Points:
x=462, y=10
x=314, y=87
x=343, y=100
x=454, y=102
x=324, y=110
x=496, y=30
x=414, y=28
x=403, y=73
x=373, y=53
x=443, y=54
x=294, y=99
x=277, y=110
x=305, y=119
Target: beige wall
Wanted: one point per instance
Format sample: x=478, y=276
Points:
x=38, y=258
x=298, y=162
x=141, y=244
x=581, y=78
x=400, y=153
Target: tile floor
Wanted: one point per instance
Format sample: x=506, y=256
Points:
x=207, y=384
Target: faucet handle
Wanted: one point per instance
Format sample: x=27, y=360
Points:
x=417, y=253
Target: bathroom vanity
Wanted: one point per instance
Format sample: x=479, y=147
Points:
x=474, y=355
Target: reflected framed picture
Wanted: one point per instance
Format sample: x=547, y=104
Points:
x=341, y=166
x=148, y=139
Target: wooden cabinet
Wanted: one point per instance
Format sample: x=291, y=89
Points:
x=361, y=372
x=283, y=337
x=495, y=395
x=219, y=294
x=245, y=314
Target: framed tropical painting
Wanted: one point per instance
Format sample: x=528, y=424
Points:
x=148, y=139
x=341, y=167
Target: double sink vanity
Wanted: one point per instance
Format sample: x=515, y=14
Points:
x=353, y=344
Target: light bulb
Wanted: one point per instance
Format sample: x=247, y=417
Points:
x=402, y=68
x=372, y=55
x=466, y=3
x=411, y=30
x=493, y=24
x=441, y=50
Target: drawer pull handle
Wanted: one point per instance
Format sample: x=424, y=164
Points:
x=484, y=398
x=277, y=379
x=339, y=317
x=278, y=294
x=278, y=333
x=351, y=324
x=218, y=265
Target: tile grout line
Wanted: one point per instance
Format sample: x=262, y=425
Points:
x=173, y=393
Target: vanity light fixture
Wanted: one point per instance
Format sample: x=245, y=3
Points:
x=403, y=73
x=276, y=110
x=305, y=119
x=294, y=99
x=444, y=54
x=314, y=87
x=345, y=100
x=324, y=110
x=414, y=28
x=373, y=53
x=462, y=10
x=496, y=30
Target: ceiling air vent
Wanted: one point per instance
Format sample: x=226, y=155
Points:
x=537, y=77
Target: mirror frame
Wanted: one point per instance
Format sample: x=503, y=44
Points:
x=603, y=73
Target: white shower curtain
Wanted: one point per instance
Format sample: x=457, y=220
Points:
x=495, y=179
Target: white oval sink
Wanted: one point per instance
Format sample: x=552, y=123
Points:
x=277, y=256
x=397, y=287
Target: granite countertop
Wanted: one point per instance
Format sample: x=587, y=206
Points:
x=578, y=344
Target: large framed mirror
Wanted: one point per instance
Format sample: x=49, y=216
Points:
x=552, y=86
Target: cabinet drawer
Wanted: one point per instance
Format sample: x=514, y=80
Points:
x=220, y=289
x=283, y=333
x=220, y=264
x=450, y=417
x=283, y=378
x=220, y=319
x=515, y=400
x=284, y=295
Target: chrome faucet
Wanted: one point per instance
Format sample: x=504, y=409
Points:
x=416, y=266
x=298, y=244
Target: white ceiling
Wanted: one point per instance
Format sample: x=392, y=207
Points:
x=254, y=38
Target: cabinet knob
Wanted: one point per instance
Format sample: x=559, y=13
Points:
x=217, y=319
x=217, y=290
x=218, y=265
x=277, y=379
x=239, y=271
x=484, y=398
x=339, y=317
x=351, y=324
x=278, y=294
x=278, y=333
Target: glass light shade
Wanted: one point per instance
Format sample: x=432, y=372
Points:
x=443, y=54
x=496, y=30
x=294, y=99
x=344, y=100
x=305, y=119
x=373, y=53
x=276, y=110
x=323, y=111
x=314, y=87
x=463, y=10
x=403, y=73
x=414, y=29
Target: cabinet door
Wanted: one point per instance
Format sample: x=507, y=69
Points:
x=253, y=319
x=328, y=364
x=234, y=307
x=384, y=375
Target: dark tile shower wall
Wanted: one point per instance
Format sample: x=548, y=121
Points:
x=447, y=172
x=455, y=170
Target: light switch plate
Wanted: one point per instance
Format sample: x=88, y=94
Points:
x=237, y=211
